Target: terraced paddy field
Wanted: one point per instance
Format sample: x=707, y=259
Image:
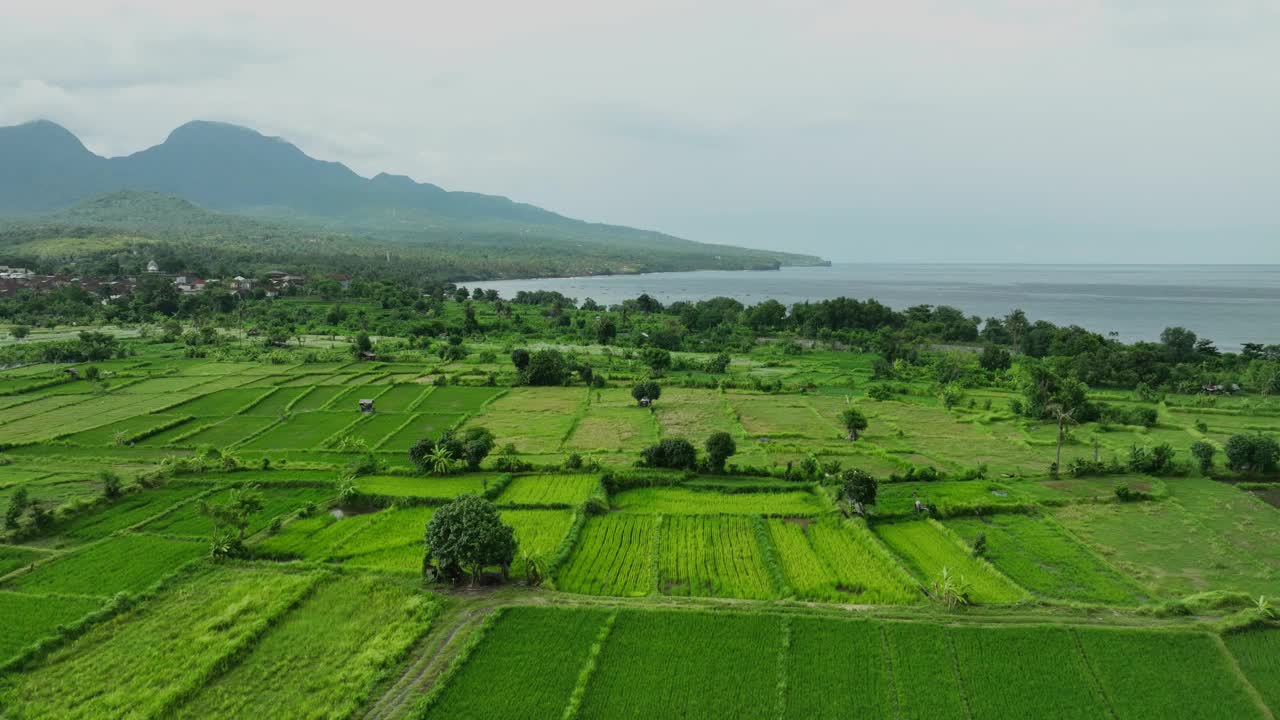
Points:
x=633, y=592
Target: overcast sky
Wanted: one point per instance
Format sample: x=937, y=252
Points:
x=987, y=130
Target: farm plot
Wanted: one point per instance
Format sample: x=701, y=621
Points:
x=1240, y=518
x=392, y=541
x=548, y=400
x=927, y=548
x=130, y=510
x=418, y=486
x=312, y=537
x=946, y=499
x=84, y=415
x=614, y=556
x=538, y=532
x=537, y=655
x=718, y=556
x=165, y=385
x=222, y=403
x=186, y=521
x=122, y=430
x=1038, y=555
x=1134, y=666
x=454, y=400
x=687, y=501
x=692, y=414
x=128, y=563
x=1025, y=672
x=613, y=429
x=401, y=398
x=31, y=618
x=372, y=429
x=323, y=657
x=228, y=432
x=13, y=557
x=275, y=404
x=549, y=490
x=654, y=661
x=1167, y=549
x=835, y=561
x=140, y=663
x=775, y=416
x=533, y=433
x=317, y=398
x=421, y=425
x=921, y=658
x=1257, y=652
x=303, y=432
x=173, y=434
x=837, y=669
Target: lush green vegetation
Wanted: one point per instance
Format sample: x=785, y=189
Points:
x=220, y=505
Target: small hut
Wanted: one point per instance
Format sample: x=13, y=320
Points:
x=366, y=406
x=73, y=373
x=645, y=402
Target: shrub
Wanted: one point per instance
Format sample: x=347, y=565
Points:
x=111, y=484
x=720, y=446
x=880, y=392
x=674, y=453
x=1252, y=454
x=1203, y=452
x=646, y=389
x=1153, y=461
x=718, y=364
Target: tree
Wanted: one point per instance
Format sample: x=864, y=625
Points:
x=673, y=453
x=520, y=358
x=443, y=455
x=646, y=389
x=440, y=461
x=858, y=488
x=18, y=504
x=231, y=519
x=1252, y=454
x=545, y=367
x=657, y=359
x=854, y=422
x=361, y=344
x=995, y=358
x=1203, y=452
x=111, y=486
x=475, y=445
x=718, y=364
x=20, y=332
x=1179, y=343
x=720, y=446
x=467, y=534
x=1062, y=415
x=606, y=330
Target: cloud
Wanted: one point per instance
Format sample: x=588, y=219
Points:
x=852, y=128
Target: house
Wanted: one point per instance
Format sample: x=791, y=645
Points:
x=366, y=406
x=152, y=267
x=366, y=355
x=343, y=280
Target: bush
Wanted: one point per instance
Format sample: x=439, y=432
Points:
x=718, y=364
x=1252, y=454
x=674, y=453
x=880, y=392
x=1203, y=452
x=720, y=446
x=1154, y=461
x=646, y=389
x=544, y=367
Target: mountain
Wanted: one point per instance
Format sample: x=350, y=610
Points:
x=232, y=169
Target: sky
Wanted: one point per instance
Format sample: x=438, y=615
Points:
x=913, y=130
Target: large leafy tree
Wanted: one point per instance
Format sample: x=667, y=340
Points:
x=646, y=389
x=467, y=535
x=720, y=446
x=858, y=488
x=468, y=448
x=674, y=453
x=854, y=422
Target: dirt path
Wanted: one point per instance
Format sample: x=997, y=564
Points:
x=430, y=658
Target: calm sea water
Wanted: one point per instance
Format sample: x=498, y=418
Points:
x=1232, y=304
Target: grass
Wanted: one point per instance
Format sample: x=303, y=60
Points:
x=539, y=532
x=141, y=663
x=707, y=666
x=443, y=488
x=834, y=561
x=1038, y=555
x=927, y=549
x=716, y=556
x=130, y=510
x=947, y=499
x=324, y=656
x=548, y=490
x=1134, y=667
x=1257, y=652
x=613, y=556
x=187, y=520
x=421, y=425
x=926, y=683
x=129, y=563
x=508, y=676
x=13, y=557
x=303, y=431
x=686, y=501
x=837, y=669
x=1025, y=672
x=31, y=618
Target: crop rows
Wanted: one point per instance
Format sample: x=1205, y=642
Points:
x=836, y=561
x=716, y=556
x=613, y=556
x=549, y=490
x=927, y=548
x=127, y=563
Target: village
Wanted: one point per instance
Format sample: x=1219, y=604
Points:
x=15, y=280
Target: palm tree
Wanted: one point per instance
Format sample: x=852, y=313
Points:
x=1063, y=416
x=440, y=460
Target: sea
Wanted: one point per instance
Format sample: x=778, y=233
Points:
x=1230, y=304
